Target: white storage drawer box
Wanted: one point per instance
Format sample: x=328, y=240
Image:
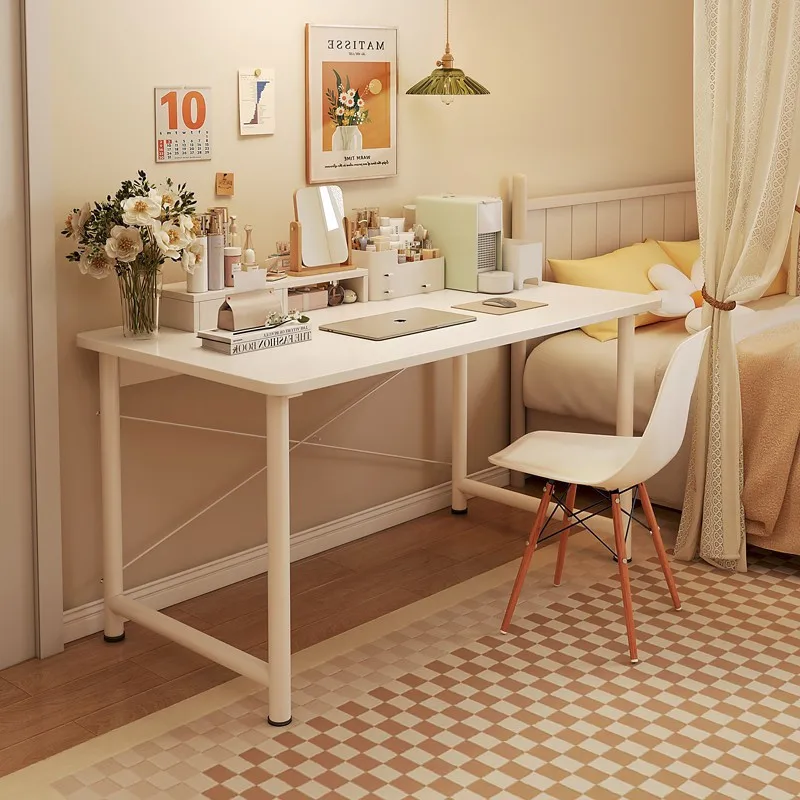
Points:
x=388, y=279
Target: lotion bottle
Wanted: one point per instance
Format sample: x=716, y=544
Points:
x=215, y=256
x=233, y=233
x=233, y=264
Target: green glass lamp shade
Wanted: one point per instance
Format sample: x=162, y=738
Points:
x=448, y=81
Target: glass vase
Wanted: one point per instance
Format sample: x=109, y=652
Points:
x=140, y=294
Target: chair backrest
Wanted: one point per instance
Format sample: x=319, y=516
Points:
x=666, y=429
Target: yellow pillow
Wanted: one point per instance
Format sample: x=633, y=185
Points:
x=684, y=254
x=624, y=270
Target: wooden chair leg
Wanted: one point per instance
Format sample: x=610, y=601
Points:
x=564, y=538
x=627, y=602
x=652, y=522
x=538, y=524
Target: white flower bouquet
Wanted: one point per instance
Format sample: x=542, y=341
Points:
x=131, y=234
x=347, y=105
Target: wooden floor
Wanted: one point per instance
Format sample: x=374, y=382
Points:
x=93, y=687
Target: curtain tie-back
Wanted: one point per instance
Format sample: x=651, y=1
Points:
x=718, y=304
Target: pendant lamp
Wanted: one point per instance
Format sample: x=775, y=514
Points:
x=447, y=82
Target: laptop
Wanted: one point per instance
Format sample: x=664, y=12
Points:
x=397, y=323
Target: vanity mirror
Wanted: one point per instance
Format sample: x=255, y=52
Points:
x=320, y=235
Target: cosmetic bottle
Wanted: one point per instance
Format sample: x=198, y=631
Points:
x=335, y=294
x=215, y=255
x=197, y=281
x=233, y=264
x=249, y=258
x=233, y=239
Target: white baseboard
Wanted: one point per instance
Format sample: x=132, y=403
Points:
x=87, y=619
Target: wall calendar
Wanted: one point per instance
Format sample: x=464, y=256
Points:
x=183, y=123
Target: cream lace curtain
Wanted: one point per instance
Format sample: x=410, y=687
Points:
x=747, y=162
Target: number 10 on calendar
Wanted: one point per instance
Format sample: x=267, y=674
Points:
x=183, y=124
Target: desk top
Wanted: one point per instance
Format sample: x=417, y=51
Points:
x=330, y=359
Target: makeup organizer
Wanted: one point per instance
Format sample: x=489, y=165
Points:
x=397, y=252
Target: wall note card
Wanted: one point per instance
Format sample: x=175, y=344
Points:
x=223, y=185
x=256, y=101
x=183, y=123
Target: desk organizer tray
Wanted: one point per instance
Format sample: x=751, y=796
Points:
x=388, y=279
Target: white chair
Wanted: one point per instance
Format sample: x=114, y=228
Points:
x=612, y=464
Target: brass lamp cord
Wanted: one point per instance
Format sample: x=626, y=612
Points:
x=447, y=59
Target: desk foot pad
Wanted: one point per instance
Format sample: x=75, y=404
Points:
x=114, y=639
x=460, y=512
x=279, y=724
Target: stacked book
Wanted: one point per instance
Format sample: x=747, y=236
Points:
x=252, y=340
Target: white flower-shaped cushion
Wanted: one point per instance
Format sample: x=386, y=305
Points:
x=694, y=319
x=679, y=294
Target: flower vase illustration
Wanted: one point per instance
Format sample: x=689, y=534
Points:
x=347, y=138
x=347, y=111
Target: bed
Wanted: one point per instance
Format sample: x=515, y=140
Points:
x=568, y=382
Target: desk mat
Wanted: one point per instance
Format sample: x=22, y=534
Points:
x=522, y=305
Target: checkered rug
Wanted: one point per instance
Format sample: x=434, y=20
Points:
x=449, y=709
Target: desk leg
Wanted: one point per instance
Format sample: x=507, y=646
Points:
x=625, y=395
x=279, y=643
x=111, y=478
x=459, y=436
x=519, y=352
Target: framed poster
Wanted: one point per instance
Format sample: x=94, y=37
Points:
x=351, y=103
x=183, y=123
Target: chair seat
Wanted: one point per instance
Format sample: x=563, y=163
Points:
x=581, y=458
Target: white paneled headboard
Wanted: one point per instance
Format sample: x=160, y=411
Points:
x=591, y=224
x=594, y=223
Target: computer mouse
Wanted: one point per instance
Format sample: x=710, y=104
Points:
x=500, y=302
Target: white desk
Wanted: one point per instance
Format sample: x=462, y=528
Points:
x=327, y=360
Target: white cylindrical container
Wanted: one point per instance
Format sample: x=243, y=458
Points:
x=397, y=223
x=496, y=282
x=524, y=260
x=216, y=261
x=197, y=281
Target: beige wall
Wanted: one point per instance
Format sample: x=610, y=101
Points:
x=584, y=95
x=16, y=533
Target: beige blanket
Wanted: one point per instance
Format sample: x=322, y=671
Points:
x=769, y=370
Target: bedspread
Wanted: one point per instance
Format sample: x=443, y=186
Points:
x=769, y=372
